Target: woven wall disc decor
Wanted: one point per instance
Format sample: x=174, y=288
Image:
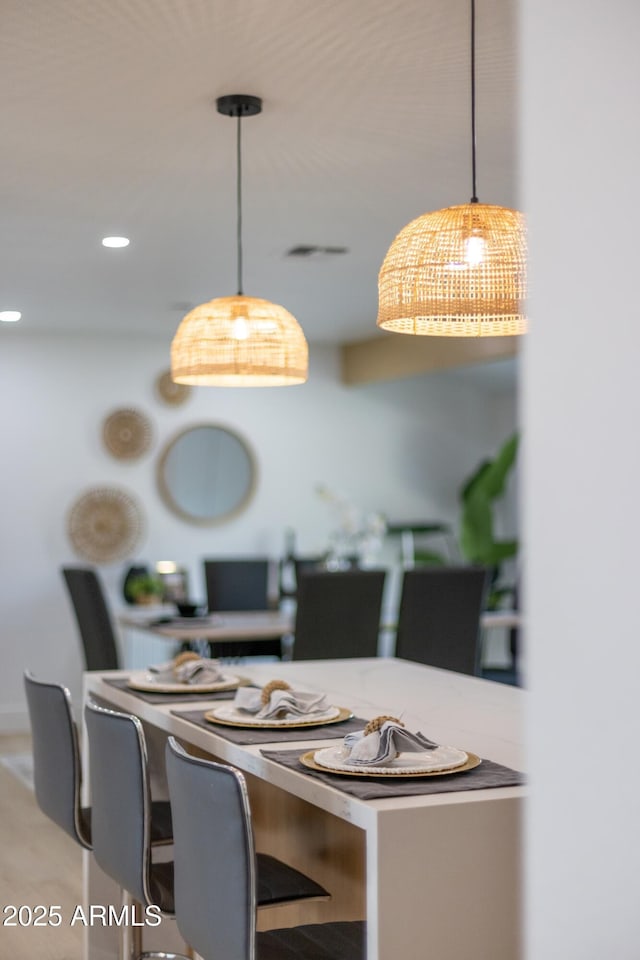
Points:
x=127, y=434
x=105, y=524
x=171, y=392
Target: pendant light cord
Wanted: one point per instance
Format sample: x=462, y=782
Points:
x=474, y=198
x=239, y=199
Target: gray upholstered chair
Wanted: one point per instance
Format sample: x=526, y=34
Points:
x=57, y=768
x=216, y=881
x=120, y=803
x=439, y=617
x=56, y=758
x=121, y=820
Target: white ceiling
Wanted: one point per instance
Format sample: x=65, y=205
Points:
x=109, y=127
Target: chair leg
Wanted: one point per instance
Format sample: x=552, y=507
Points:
x=131, y=938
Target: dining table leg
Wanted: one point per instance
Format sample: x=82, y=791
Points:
x=455, y=891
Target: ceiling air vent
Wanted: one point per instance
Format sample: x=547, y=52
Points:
x=313, y=252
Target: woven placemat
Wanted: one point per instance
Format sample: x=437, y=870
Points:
x=121, y=684
x=487, y=776
x=248, y=736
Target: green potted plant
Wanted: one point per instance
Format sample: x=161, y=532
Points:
x=477, y=539
x=477, y=542
x=145, y=588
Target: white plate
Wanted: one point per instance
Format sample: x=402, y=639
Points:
x=148, y=682
x=229, y=714
x=442, y=758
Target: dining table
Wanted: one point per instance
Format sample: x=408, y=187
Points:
x=432, y=862
x=163, y=624
x=238, y=626
x=225, y=625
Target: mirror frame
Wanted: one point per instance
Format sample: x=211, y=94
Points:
x=167, y=496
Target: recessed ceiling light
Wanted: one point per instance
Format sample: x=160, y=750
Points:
x=115, y=241
x=10, y=316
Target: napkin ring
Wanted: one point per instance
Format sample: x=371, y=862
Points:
x=378, y=722
x=184, y=657
x=268, y=689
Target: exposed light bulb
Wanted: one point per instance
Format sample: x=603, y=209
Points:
x=474, y=251
x=240, y=329
x=10, y=316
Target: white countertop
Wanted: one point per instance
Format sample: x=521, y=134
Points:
x=476, y=715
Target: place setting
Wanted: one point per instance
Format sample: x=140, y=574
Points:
x=383, y=758
x=276, y=711
x=188, y=676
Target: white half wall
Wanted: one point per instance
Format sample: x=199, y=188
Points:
x=401, y=447
x=580, y=149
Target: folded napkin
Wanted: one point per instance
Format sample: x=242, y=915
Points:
x=192, y=671
x=279, y=702
x=379, y=743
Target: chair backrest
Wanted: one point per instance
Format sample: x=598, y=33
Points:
x=237, y=584
x=439, y=617
x=56, y=757
x=214, y=857
x=304, y=565
x=292, y=567
x=338, y=614
x=120, y=798
x=94, y=621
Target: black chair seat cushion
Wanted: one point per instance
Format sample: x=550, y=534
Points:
x=278, y=882
x=316, y=941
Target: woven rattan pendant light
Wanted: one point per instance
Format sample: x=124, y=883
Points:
x=239, y=341
x=457, y=272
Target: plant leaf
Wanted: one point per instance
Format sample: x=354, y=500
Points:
x=502, y=550
x=495, y=478
x=430, y=558
x=490, y=477
x=476, y=533
x=475, y=481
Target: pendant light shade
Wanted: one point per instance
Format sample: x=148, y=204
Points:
x=460, y=271
x=457, y=272
x=239, y=341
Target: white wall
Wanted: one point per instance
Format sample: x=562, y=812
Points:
x=581, y=143
x=402, y=448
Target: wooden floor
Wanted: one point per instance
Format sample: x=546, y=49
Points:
x=39, y=864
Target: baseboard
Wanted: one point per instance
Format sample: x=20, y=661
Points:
x=14, y=719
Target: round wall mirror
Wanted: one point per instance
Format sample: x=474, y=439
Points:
x=206, y=474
